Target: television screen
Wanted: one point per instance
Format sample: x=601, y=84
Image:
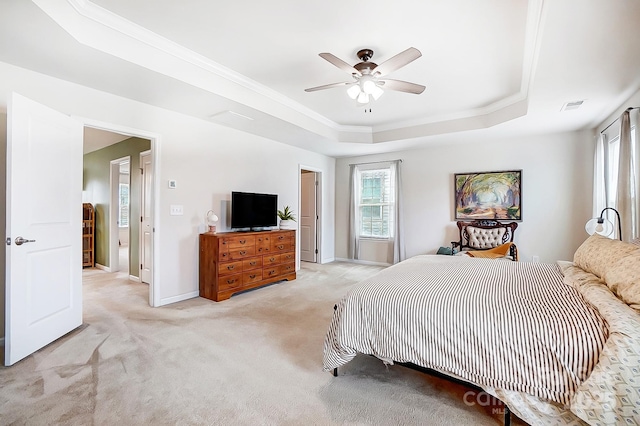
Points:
x=251, y=210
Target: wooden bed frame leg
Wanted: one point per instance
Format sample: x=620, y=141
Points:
x=507, y=416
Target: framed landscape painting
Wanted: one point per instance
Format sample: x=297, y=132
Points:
x=489, y=195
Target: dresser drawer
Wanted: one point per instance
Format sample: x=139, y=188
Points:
x=281, y=246
x=239, y=241
x=287, y=268
x=263, y=244
x=288, y=257
x=263, y=249
x=229, y=281
x=252, y=263
x=227, y=268
x=271, y=259
x=251, y=276
x=242, y=253
x=271, y=271
x=281, y=237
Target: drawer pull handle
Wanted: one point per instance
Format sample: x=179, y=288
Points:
x=230, y=267
x=273, y=259
x=224, y=254
x=231, y=281
x=280, y=247
x=272, y=272
x=253, y=263
x=243, y=252
x=243, y=241
x=281, y=237
x=252, y=276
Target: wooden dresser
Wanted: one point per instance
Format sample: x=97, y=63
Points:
x=237, y=261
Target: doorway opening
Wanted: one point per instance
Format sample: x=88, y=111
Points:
x=310, y=209
x=119, y=186
x=119, y=208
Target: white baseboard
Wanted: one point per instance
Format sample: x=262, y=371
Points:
x=102, y=267
x=328, y=260
x=179, y=298
x=134, y=278
x=362, y=262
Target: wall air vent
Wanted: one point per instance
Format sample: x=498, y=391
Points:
x=571, y=105
x=225, y=115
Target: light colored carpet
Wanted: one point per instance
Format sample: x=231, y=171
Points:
x=255, y=359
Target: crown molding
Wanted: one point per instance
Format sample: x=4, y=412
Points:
x=101, y=29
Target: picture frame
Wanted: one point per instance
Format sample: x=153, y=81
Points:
x=488, y=195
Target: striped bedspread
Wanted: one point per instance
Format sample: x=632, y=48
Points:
x=506, y=325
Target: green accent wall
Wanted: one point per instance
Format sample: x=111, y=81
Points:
x=97, y=165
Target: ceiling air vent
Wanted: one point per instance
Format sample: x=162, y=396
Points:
x=571, y=105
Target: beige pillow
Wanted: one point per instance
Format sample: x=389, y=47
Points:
x=623, y=278
x=577, y=278
x=598, y=253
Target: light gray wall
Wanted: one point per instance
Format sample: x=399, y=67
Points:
x=207, y=161
x=556, y=193
x=3, y=216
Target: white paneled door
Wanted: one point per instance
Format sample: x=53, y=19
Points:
x=146, y=224
x=44, y=226
x=308, y=217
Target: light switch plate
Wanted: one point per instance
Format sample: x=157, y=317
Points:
x=176, y=210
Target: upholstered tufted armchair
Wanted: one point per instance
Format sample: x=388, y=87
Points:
x=486, y=235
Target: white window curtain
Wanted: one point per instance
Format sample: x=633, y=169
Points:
x=627, y=197
x=392, y=200
x=617, y=173
x=397, y=231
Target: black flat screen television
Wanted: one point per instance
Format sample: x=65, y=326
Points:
x=253, y=211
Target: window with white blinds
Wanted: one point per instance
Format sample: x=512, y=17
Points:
x=376, y=203
x=123, y=208
x=611, y=163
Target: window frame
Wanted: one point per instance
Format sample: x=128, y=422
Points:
x=386, y=202
x=122, y=206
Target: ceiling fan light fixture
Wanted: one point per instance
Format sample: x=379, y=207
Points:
x=363, y=98
x=376, y=92
x=353, y=91
x=368, y=86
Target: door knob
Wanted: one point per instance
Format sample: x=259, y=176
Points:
x=20, y=241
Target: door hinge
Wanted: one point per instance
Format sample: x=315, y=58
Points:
x=316, y=183
x=316, y=251
x=140, y=219
x=141, y=266
x=141, y=171
x=8, y=241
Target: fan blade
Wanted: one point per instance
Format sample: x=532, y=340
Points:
x=340, y=63
x=398, y=61
x=402, y=86
x=328, y=86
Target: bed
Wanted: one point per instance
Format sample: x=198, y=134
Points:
x=557, y=343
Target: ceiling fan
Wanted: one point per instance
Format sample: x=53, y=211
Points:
x=368, y=77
